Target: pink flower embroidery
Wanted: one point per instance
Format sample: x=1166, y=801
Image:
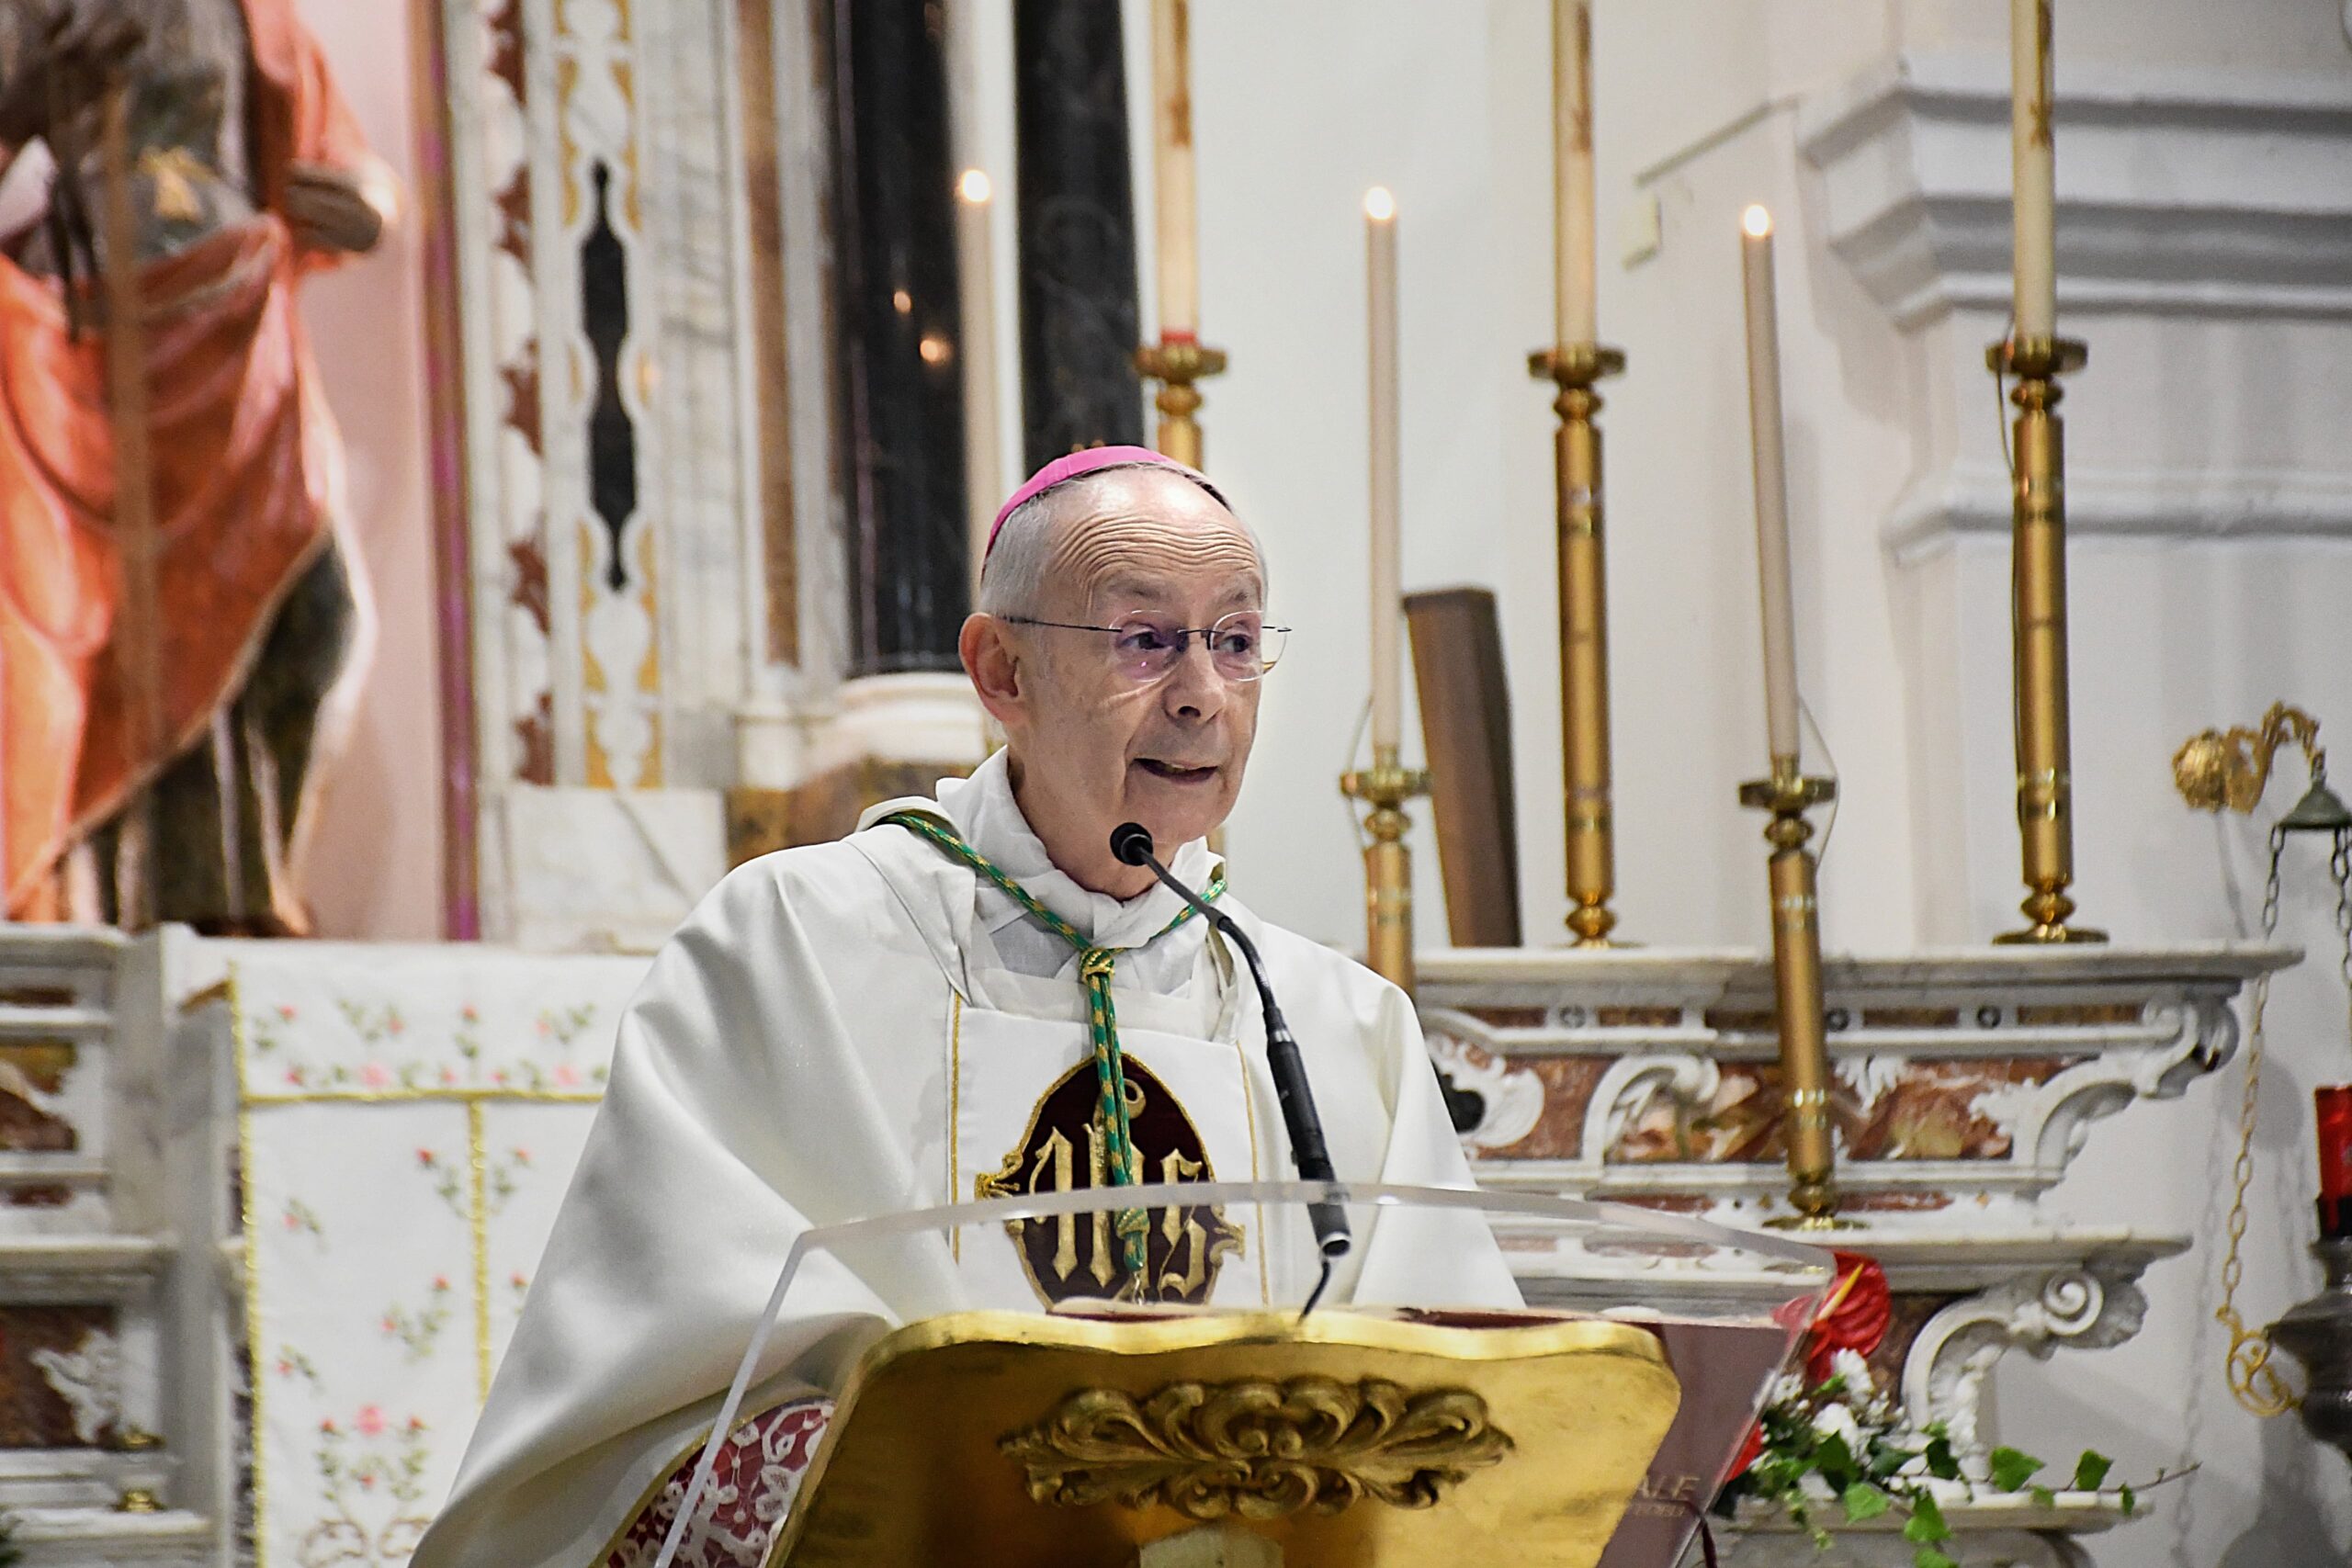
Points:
x=394, y=1023
x=371, y=1420
x=328, y=1429
x=567, y=1076
x=521, y=1282
x=522, y=1156
x=286, y=1011
x=425, y=1158
x=440, y=1281
x=448, y=1074
x=416, y=1423
x=375, y=1075
x=469, y=1013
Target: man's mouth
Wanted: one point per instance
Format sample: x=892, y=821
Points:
x=1176, y=772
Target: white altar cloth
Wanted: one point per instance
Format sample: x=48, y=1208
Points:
x=410, y=1118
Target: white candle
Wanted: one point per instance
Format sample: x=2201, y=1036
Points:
x=2034, y=173
x=1380, y=256
x=983, y=459
x=1171, y=92
x=1772, y=489
x=1572, y=167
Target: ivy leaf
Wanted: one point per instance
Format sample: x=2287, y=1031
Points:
x=1836, y=1463
x=1940, y=1462
x=1929, y=1557
x=2043, y=1496
x=2131, y=1501
x=2090, y=1470
x=1863, y=1501
x=2011, y=1469
x=1926, y=1526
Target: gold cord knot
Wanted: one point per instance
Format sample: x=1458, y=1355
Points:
x=1095, y=963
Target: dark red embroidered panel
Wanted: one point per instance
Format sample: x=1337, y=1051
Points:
x=750, y=1491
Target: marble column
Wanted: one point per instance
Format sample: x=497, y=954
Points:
x=1077, y=233
x=900, y=394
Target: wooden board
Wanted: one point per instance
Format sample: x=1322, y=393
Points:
x=1465, y=733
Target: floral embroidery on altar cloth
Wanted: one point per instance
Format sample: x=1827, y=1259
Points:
x=752, y=1489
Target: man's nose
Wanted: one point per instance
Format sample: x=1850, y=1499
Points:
x=1194, y=689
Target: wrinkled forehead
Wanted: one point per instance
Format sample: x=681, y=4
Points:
x=1152, y=540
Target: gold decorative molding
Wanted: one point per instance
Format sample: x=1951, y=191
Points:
x=2216, y=768
x=1257, y=1448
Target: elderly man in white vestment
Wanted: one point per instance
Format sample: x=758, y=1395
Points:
x=902, y=1019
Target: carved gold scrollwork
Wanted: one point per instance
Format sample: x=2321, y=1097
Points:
x=2218, y=768
x=1257, y=1450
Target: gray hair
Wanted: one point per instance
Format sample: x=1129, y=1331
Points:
x=1012, y=580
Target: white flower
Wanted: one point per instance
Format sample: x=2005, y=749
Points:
x=1861, y=1384
x=1834, y=1420
x=1814, y=1489
x=1787, y=1389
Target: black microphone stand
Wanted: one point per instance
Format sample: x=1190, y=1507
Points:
x=1131, y=842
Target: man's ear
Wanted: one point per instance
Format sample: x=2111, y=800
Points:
x=986, y=646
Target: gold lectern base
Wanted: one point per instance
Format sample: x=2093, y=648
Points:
x=1008, y=1441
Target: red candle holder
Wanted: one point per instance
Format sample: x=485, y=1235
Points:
x=2332, y=1108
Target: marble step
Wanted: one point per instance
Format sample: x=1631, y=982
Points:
x=105, y=1538
x=36, y=1268
x=45, y=1023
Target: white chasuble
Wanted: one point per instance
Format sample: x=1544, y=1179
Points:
x=868, y=1027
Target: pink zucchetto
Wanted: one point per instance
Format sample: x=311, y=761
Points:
x=1061, y=470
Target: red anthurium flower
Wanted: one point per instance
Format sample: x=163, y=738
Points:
x=1854, y=1316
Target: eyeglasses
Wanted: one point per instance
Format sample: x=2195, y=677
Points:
x=1146, y=648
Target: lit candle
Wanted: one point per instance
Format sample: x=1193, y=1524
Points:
x=1380, y=254
x=2033, y=175
x=1771, y=489
x=1572, y=167
x=983, y=466
x=1172, y=73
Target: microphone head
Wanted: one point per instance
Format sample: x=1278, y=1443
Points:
x=1131, y=843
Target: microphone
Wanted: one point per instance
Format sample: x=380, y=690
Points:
x=1131, y=843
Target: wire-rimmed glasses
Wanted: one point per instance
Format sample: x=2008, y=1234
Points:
x=1241, y=645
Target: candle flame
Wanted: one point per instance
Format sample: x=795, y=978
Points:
x=1757, y=221
x=1379, y=205
x=974, y=186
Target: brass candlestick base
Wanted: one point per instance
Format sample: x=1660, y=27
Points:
x=1576, y=369
x=2038, y=615
x=1796, y=990
x=1176, y=363
x=1386, y=786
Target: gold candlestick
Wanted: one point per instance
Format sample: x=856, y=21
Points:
x=1796, y=991
x=2038, y=615
x=1176, y=363
x=1386, y=786
x=1584, y=634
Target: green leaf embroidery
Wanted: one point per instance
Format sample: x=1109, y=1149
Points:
x=2011, y=1469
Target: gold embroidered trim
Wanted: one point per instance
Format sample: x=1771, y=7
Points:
x=954, y=1110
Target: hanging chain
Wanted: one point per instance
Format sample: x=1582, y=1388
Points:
x=2255, y=1382
x=2340, y=864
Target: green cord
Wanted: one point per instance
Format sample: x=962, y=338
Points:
x=1094, y=966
